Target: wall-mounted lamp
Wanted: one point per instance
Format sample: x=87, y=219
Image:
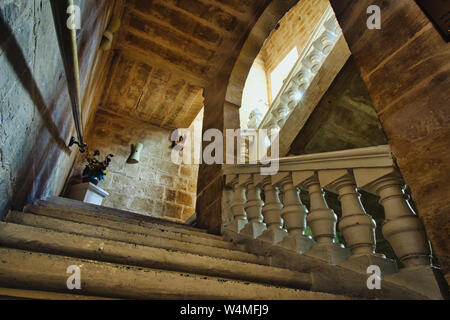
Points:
x=135, y=153
x=108, y=35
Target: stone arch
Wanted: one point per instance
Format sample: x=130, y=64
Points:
x=408, y=38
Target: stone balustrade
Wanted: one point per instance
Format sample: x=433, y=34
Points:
x=279, y=218
x=320, y=44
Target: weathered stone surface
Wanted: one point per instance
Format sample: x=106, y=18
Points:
x=405, y=66
x=140, y=187
x=91, y=240
x=184, y=198
x=43, y=240
x=112, y=280
x=344, y=119
x=167, y=52
x=35, y=117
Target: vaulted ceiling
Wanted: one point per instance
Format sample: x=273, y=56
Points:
x=167, y=51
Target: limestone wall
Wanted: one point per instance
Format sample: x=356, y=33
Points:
x=155, y=186
x=35, y=116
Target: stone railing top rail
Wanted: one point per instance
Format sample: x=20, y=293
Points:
x=370, y=157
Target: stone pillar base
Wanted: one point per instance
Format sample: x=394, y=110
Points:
x=298, y=244
x=236, y=226
x=230, y=235
x=362, y=262
x=253, y=229
x=332, y=253
x=425, y=280
x=273, y=236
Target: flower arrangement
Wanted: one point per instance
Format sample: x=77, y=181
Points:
x=96, y=170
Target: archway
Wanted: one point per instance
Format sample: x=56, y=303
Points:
x=406, y=70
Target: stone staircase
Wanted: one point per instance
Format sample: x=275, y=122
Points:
x=123, y=255
x=129, y=256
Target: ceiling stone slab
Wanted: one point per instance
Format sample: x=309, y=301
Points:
x=167, y=51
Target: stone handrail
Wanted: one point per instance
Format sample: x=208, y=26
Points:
x=371, y=157
x=320, y=44
x=281, y=221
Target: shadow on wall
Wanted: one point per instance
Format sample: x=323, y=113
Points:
x=36, y=169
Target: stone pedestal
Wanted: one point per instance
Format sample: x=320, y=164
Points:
x=360, y=263
x=426, y=280
x=297, y=243
x=87, y=192
x=332, y=253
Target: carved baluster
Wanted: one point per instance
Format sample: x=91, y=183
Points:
x=281, y=112
x=314, y=60
x=357, y=227
x=302, y=79
x=294, y=215
x=255, y=226
x=321, y=219
x=237, y=205
x=402, y=227
x=272, y=213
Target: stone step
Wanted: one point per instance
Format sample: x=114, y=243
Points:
x=60, y=202
x=41, y=271
x=21, y=294
x=55, y=242
x=65, y=203
x=130, y=225
x=50, y=223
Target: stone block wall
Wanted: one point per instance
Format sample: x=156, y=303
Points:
x=155, y=186
x=35, y=116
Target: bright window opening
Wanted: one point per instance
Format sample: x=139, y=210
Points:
x=280, y=73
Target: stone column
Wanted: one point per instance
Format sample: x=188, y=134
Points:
x=294, y=216
x=272, y=214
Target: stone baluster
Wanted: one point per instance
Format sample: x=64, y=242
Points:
x=332, y=27
x=271, y=212
x=402, y=228
x=314, y=60
x=293, y=214
x=302, y=79
x=281, y=114
x=321, y=219
x=237, y=205
x=255, y=226
x=243, y=145
x=357, y=227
